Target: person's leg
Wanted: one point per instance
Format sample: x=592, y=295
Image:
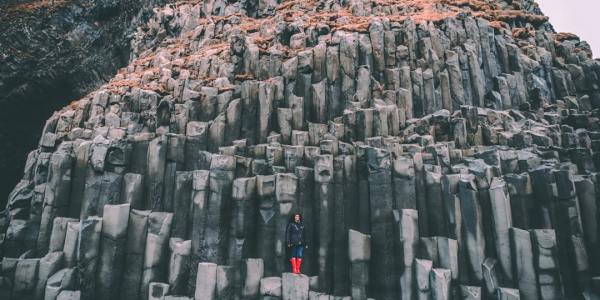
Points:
x=293, y=260
x=294, y=263
x=300, y=254
x=296, y=254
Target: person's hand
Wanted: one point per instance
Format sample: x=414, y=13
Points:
x=306, y=246
x=289, y=245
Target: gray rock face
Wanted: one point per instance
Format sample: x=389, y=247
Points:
x=432, y=153
x=294, y=286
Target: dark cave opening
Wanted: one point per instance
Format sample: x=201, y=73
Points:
x=21, y=119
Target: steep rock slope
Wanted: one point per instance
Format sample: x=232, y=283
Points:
x=52, y=52
x=437, y=149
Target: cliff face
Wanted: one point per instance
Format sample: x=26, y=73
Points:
x=441, y=149
x=52, y=52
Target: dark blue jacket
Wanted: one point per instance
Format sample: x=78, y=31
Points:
x=295, y=234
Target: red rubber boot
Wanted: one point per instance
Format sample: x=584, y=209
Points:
x=298, y=263
x=294, y=264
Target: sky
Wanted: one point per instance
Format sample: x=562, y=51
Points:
x=576, y=16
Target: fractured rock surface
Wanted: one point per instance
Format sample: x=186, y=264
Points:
x=436, y=149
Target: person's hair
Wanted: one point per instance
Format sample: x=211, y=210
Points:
x=294, y=217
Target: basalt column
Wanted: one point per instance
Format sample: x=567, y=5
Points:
x=407, y=241
x=546, y=264
x=359, y=253
x=215, y=240
x=113, y=242
x=324, y=193
x=340, y=241
x=198, y=210
x=157, y=244
x=56, y=194
x=308, y=209
x=267, y=211
x=285, y=193
x=243, y=224
x=383, y=283
x=573, y=256
x=88, y=250
x=472, y=227
x=134, y=253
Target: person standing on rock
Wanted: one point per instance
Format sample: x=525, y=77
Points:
x=294, y=237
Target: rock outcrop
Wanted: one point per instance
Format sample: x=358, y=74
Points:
x=51, y=52
x=437, y=149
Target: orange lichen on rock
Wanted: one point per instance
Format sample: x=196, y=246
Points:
x=522, y=33
x=517, y=15
x=566, y=36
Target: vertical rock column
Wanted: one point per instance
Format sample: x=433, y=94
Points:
x=587, y=197
x=59, y=232
x=523, y=268
x=448, y=258
x=521, y=201
x=159, y=231
x=57, y=193
x=572, y=253
x=81, y=158
x=71, y=242
x=408, y=240
x=242, y=232
x=155, y=173
x=472, y=227
x=351, y=200
x=359, y=253
x=199, y=205
x=405, y=193
x=89, y=250
x=114, y=237
x=546, y=264
x=134, y=254
x=195, y=145
x=437, y=224
x=225, y=282
x=26, y=272
x=217, y=218
x=454, y=223
x=439, y=282
x=363, y=189
x=206, y=281
x=502, y=221
x=175, y=186
x=340, y=238
x=49, y=265
x=182, y=197
x=422, y=285
x=383, y=280
x=307, y=207
x=324, y=193
x=179, y=265
x=132, y=190
x=285, y=194
x=294, y=286
x=265, y=236
x=541, y=181
x=252, y=271
x=421, y=192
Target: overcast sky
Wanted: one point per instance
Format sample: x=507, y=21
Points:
x=581, y=17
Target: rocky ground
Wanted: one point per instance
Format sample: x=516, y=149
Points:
x=438, y=149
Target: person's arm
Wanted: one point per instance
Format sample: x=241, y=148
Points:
x=287, y=234
x=304, y=237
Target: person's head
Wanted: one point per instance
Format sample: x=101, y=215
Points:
x=297, y=218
